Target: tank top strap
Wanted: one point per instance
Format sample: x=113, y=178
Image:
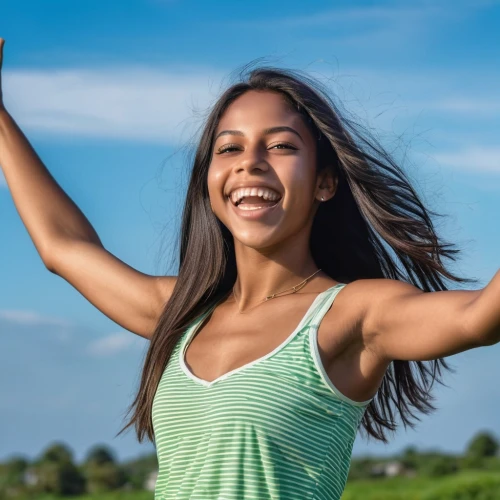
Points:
x=324, y=303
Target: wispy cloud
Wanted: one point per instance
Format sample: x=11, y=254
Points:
x=128, y=102
x=112, y=344
x=30, y=318
x=382, y=13
x=485, y=159
x=469, y=105
x=452, y=91
x=153, y=105
x=336, y=16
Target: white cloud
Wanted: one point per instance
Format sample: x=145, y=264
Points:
x=135, y=103
x=112, y=344
x=30, y=318
x=486, y=159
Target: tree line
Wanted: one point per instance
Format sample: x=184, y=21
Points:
x=481, y=453
x=55, y=472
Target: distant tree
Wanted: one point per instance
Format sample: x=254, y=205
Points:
x=100, y=454
x=482, y=445
x=62, y=478
x=102, y=471
x=410, y=457
x=104, y=477
x=54, y=472
x=15, y=467
x=58, y=453
x=12, y=475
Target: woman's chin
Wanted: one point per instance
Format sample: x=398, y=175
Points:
x=257, y=239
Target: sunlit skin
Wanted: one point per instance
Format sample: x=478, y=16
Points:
x=273, y=253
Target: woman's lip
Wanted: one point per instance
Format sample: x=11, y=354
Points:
x=254, y=214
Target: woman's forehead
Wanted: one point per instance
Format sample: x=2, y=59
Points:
x=259, y=110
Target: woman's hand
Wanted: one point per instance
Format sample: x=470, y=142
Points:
x=2, y=41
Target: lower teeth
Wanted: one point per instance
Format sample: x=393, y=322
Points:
x=241, y=207
x=252, y=206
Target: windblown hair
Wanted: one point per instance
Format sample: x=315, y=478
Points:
x=375, y=226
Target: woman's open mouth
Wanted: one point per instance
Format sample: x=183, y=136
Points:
x=254, y=205
x=253, y=211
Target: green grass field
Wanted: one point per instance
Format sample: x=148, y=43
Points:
x=467, y=485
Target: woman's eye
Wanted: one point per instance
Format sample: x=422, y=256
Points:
x=225, y=149
x=229, y=147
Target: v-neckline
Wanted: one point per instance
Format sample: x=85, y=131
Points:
x=194, y=328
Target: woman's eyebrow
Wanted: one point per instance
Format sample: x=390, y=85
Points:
x=267, y=131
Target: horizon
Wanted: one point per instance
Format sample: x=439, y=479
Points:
x=144, y=454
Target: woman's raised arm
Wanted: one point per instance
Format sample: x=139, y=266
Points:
x=67, y=242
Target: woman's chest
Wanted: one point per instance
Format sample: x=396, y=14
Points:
x=224, y=345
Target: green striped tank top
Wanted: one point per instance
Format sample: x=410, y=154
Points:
x=275, y=428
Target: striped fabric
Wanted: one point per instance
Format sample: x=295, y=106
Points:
x=276, y=428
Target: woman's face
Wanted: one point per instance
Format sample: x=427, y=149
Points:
x=247, y=153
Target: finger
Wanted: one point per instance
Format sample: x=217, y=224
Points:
x=2, y=41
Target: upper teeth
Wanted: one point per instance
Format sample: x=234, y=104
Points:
x=268, y=194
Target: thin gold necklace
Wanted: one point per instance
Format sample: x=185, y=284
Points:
x=295, y=288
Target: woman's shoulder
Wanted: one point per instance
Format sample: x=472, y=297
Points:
x=356, y=299
x=372, y=287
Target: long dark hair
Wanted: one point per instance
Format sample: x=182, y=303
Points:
x=374, y=227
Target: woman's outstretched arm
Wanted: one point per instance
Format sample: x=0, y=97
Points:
x=403, y=322
x=67, y=242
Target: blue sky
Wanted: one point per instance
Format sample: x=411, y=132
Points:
x=109, y=92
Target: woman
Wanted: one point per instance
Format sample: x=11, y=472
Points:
x=311, y=286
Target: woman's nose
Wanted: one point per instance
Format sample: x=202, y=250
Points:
x=252, y=160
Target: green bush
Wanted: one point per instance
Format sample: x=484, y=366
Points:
x=480, y=463
x=439, y=466
x=360, y=469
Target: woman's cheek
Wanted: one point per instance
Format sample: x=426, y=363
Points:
x=298, y=183
x=214, y=182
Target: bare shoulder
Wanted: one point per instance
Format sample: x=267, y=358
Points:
x=372, y=289
x=364, y=294
x=357, y=304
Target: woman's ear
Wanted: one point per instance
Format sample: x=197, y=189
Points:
x=327, y=184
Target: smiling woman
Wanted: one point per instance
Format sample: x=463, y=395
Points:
x=311, y=291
